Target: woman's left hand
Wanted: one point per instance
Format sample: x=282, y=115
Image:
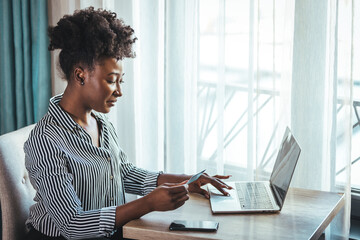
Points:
x=195, y=187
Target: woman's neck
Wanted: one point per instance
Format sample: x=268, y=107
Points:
x=71, y=103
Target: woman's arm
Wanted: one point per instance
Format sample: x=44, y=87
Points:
x=195, y=186
x=163, y=198
x=172, y=178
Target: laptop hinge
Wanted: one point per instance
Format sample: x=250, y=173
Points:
x=275, y=194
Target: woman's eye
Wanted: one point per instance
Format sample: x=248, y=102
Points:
x=110, y=81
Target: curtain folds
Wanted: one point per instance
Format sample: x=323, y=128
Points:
x=236, y=74
x=24, y=62
x=181, y=55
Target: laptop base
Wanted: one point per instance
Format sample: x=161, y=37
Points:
x=231, y=204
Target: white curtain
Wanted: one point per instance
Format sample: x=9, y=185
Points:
x=231, y=75
x=215, y=83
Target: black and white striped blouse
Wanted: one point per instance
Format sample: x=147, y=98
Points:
x=78, y=185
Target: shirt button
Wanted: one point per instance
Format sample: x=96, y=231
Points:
x=111, y=177
x=111, y=199
x=109, y=159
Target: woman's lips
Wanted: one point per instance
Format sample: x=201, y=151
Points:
x=111, y=103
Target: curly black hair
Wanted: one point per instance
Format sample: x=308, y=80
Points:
x=89, y=35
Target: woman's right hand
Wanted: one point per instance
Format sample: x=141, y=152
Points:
x=167, y=196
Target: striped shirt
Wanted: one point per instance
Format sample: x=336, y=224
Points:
x=78, y=185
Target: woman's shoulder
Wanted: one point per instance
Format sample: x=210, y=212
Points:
x=44, y=128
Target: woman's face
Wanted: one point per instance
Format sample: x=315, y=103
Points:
x=102, y=85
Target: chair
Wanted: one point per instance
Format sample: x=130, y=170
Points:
x=16, y=191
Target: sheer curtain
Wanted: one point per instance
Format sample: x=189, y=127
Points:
x=157, y=115
x=216, y=82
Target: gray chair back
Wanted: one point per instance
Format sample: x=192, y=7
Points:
x=16, y=191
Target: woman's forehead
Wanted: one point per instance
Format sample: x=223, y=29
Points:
x=109, y=64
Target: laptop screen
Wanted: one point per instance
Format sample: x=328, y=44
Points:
x=284, y=166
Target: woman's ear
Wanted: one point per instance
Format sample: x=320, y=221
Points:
x=79, y=75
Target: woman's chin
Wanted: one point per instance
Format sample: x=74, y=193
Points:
x=105, y=109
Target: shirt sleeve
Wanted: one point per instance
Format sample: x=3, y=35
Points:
x=137, y=180
x=46, y=164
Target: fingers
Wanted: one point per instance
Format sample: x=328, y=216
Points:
x=226, y=186
x=174, y=184
x=214, y=180
x=170, y=184
x=219, y=185
x=178, y=196
x=222, y=176
x=179, y=204
x=179, y=199
x=182, y=198
x=204, y=193
x=167, y=197
x=178, y=189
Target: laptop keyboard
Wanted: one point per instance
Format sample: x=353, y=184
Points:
x=253, y=195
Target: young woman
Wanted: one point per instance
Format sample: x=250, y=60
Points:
x=76, y=166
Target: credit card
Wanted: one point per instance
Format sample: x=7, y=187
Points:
x=195, y=177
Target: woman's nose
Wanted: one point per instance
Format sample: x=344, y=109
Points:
x=117, y=91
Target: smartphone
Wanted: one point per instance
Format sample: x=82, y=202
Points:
x=202, y=226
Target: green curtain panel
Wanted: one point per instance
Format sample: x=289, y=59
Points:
x=25, y=80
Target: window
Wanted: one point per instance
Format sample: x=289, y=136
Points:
x=240, y=65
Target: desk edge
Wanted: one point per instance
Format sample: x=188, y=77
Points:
x=339, y=205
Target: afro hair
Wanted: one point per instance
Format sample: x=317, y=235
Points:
x=89, y=35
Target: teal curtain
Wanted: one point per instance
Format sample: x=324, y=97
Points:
x=25, y=81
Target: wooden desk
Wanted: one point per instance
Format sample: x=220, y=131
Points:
x=305, y=215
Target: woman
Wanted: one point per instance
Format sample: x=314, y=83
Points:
x=75, y=164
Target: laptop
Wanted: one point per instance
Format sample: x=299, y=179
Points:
x=261, y=196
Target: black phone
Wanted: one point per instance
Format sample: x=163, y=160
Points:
x=203, y=226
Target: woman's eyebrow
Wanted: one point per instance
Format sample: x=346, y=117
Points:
x=115, y=73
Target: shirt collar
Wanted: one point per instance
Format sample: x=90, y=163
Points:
x=99, y=117
x=63, y=118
